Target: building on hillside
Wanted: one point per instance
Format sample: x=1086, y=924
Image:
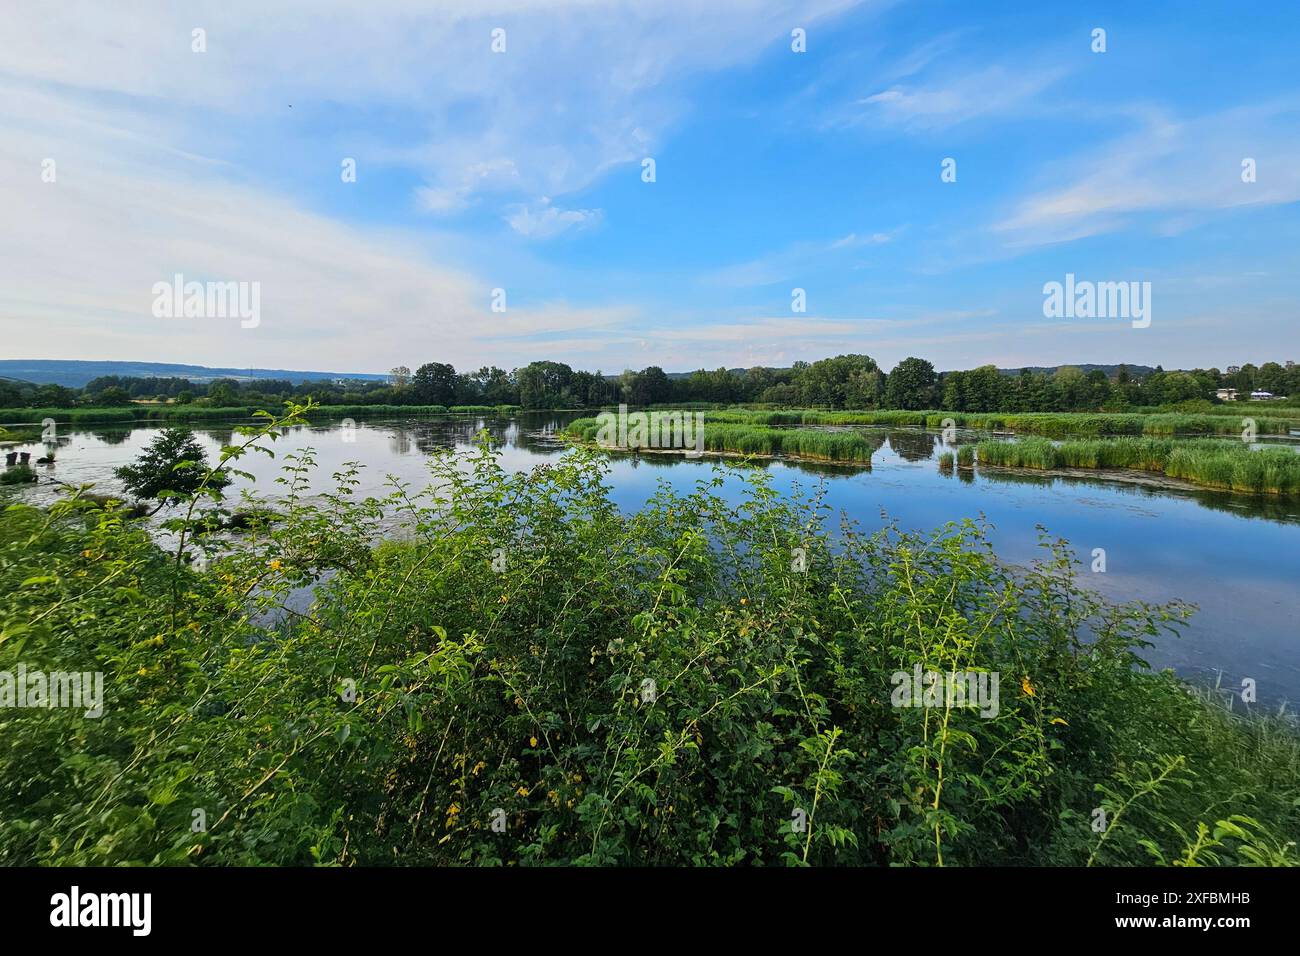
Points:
x=1260, y=396
x=1226, y=394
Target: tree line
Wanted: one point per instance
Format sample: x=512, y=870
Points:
x=844, y=381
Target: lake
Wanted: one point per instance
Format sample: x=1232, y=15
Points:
x=1236, y=557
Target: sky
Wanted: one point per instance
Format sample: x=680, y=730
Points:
x=502, y=145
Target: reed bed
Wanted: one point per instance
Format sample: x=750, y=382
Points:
x=1049, y=424
x=747, y=439
x=1214, y=464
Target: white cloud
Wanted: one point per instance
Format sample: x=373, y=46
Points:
x=543, y=220
x=1173, y=169
x=989, y=91
x=583, y=85
x=147, y=135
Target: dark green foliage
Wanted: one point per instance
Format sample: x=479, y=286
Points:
x=173, y=465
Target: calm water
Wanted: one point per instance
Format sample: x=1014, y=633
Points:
x=1236, y=557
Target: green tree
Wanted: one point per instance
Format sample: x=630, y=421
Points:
x=434, y=383
x=1272, y=378
x=174, y=463
x=545, y=385
x=910, y=385
x=113, y=395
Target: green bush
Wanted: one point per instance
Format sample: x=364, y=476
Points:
x=534, y=676
x=17, y=475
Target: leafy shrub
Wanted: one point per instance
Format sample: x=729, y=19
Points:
x=17, y=475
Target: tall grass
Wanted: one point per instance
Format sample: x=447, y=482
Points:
x=1050, y=424
x=762, y=440
x=1214, y=464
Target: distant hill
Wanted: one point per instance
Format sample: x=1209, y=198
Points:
x=77, y=374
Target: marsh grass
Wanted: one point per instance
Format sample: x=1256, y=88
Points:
x=1213, y=464
x=762, y=440
x=1049, y=424
x=17, y=475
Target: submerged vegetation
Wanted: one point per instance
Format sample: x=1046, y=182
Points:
x=17, y=475
x=1214, y=464
x=19, y=436
x=533, y=676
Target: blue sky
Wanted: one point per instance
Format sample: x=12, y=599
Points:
x=775, y=170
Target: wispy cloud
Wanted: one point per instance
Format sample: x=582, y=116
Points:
x=544, y=220
x=795, y=259
x=1170, y=168
x=983, y=93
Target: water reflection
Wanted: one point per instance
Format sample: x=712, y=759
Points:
x=914, y=445
x=112, y=436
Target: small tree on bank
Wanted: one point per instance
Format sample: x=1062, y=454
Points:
x=173, y=465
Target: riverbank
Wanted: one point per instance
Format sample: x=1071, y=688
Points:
x=1223, y=420
x=131, y=414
